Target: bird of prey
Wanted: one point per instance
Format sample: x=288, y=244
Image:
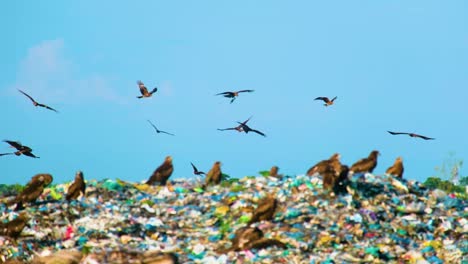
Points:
x=21, y=149
x=33, y=190
x=35, y=103
x=327, y=101
x=14, y=227
x=274, y=172
x=411, y=135
x=265, y=209
x=214, y=175
x=196, y=171
x=322, y=166
x=144, y=91
x=234, y=95
x=159, y=131
x=367, y=164
x=247, y=129
x=397, y=168
x=77, y=187
x=251, y=238
x=162, y=173
x=237, y=128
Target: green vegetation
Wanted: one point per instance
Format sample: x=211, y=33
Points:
x=447, y=178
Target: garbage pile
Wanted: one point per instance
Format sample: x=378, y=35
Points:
x=377, y=219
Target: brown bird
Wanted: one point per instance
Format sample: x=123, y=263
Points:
x=367, y=164
x=33, y=189
x=265, y=209
x=214, y=175
x=397, y=168
x=162, y=173
x=237, y=128
x=144, y=91
x=14, y=228
x=274, y=172
x=247, y=129
x=159, y=131
x=196, y=171
x=234, y=95
x=36, y=103
x=77, y=187
x=251, y=238
x=327, y=101
x=411, y=135
x=322, y=166
x=21, y=149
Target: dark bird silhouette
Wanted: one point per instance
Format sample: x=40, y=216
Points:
x=4, y=154
x=14, y=228
x=234, y=95
x=214, y=175
x=21, y=149
x=327, y=101
x=397, y=168
x=411, y=135
x=251, y=238
x=265, y=209
x=237, y=128
x=33, y=190
x=248, y=129
x=77, y=187
x=159, y=131
x=322, y=166
x=144, y=91
x=367, y=164
x=162, y=173
x=35, y=103
x=196, y=171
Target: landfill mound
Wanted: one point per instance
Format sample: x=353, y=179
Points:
x=376, y=219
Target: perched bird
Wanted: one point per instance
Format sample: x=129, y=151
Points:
x=327, y=101
x=214, y=175
x=144, y=91
x=341, y=182
x=162, y=173
x=159, y=131
x=196, y=171
x=36, y=103
x=397, y=168
x=233, y=95
x=274, y=172
x=265, y=209
x=329, y=178
x=77, y=187
x=251, y=238
x=367, y=164
x=33, y=189
x=237, y=128
x=411, y=135
x=14, y=228
x=21, y=149
x=322, y=166
x=247, y=129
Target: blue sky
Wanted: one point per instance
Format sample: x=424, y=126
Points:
x=394, y=65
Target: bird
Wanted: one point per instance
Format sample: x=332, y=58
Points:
x=144, y=91
x=322, y=166
x=77, y=187
x=162, y=173
x=366, y=164
x=21, y=149
x=4, y=154
x=234, y=95
x=244, y=127
x=397, y=168
x=265, y=209
x=411, y=135
x=33, y=190
x=327, y=101
x=159, y=131
x=274, y=172
x=214, y=175
x=237, y=128
x=14, y=227
x=250, y=238
x=35, y=103
x=196, y=171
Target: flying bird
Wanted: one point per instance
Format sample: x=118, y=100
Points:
x=397, y=168
x=35, y=103
x=411, y=135
x=367, y=164
x=196, y=171
x=247, y=129
x=237, y=128
x=159, y=131
x=144, y=91
x=327, y=101
x=77, y=187
x=234, y=95
x=21, y=149
x=214, y=175
x=162, y=173
x=14, y=228
x=265, y=209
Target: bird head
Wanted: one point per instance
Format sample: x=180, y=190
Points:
x=79, y=175
x=168, y=159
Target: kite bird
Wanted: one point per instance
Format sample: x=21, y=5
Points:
x=35, y=103
x=33, y=190
x=14, y=227
x=397, y=168
x=196, y=171
x=21, y=149
x=162, y=173
x=159, y=131
x=237, y=128
x=77, y=187
x=411, y=135
x=144, y=91
x=327, y=101
x=323, y=166
x=251, y=238
x=265, y=209
x=214, y=175
x=234, y=95
x=247, y=129
x=367, y=164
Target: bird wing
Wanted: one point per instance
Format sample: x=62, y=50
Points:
x=3, y=154
x=160, y=131
x=398, y=133
x=233, y=99
x=225, y=93
x=258, y=132
x=153, y=126
x=325, y=99
x=154, y=90
x=231, y=128
x=245, y=122
x=194, y=168
x=14, y=144
x=424, y=137
x=334, y=98
x=245, y=91
x=34, y=101
x=29, y=154
x=48, y=107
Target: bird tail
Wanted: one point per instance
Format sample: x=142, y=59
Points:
x=139, y=97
